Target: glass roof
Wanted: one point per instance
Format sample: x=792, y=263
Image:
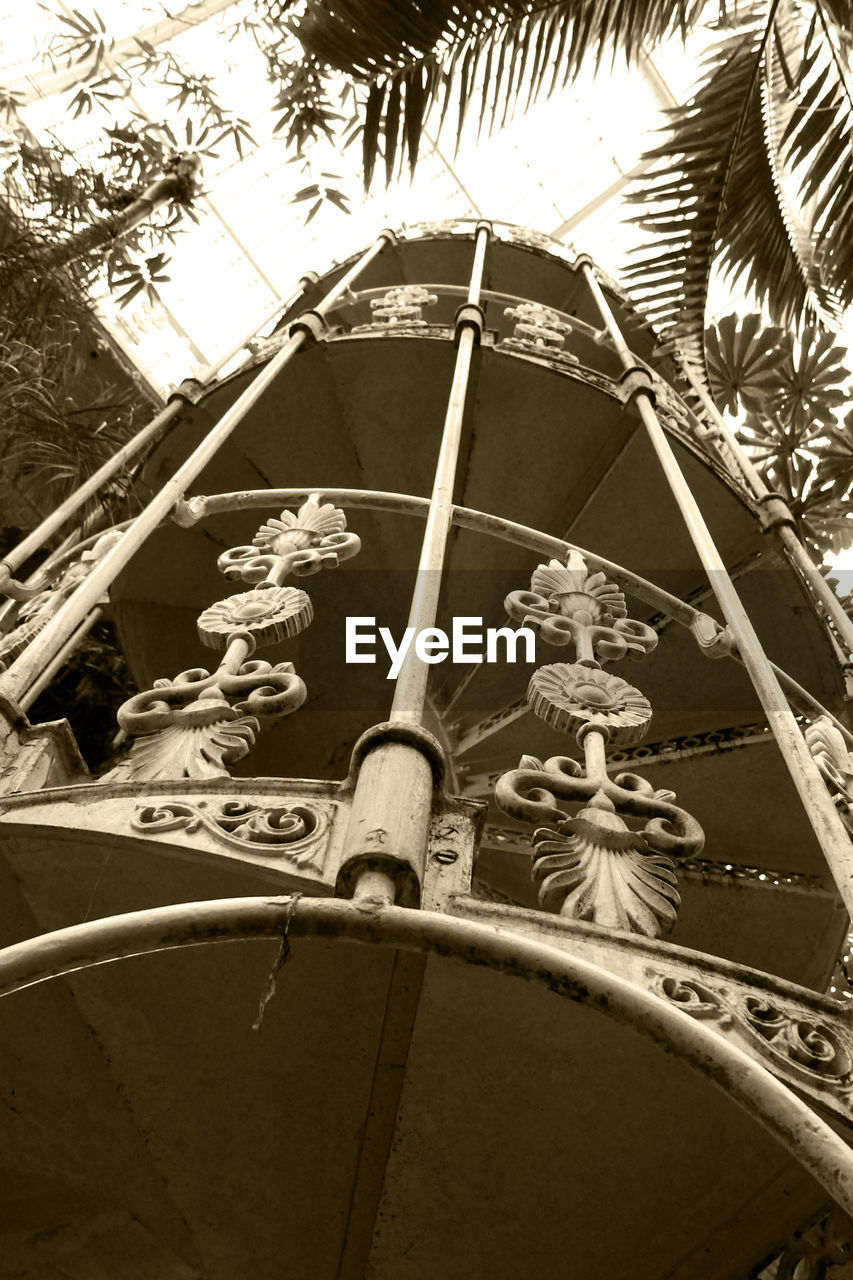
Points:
x=560, y=168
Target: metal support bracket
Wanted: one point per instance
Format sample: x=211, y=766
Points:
x=713, y=640
x=469, y=316
x=773, y=512
x=190, y=391
x=312, y=324
x=636, y=381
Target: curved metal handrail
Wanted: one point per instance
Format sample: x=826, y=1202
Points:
x=807, y=1137
x=193, y=510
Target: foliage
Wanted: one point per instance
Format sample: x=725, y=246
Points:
x=65, y=225
x=88, y=691
x=766, y=129
x=751, y=176
x=409, y=58
x=743, y=362
x=771, y=116
x=50, y=436
x=789, y=392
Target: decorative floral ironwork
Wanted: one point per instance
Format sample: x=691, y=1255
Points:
x=815, y=1252
x=313, y=539
x=530, y=239
x=693, y=997
x=274, y=828
x=593, y=866
x=37, y=612
x=835, y=763
x=723, y=873
x=604, y=872
x=568, y=695
x=808, y=1044
x=568, y=604
x=193, y=726
x=271, y=615
x=400, y=308
x=810, y=1050
x=538, y=331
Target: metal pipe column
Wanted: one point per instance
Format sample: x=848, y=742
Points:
x=392, y=805
x=831, y=833
x=784, y=530
x=410, y=689
x=149, y=433
x=25, y=670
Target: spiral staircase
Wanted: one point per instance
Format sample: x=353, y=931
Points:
x=529, y=959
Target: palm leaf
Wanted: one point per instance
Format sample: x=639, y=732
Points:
x=492, y=56
x=771, y=441
x=812, y=382
x=778, y=89
x=744, y=360
x=816, y=144
x=835, y=459
x=714, y=199
x=822, y=524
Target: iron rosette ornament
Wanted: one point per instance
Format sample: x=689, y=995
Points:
x=567, y=604
x=271, y=615
x=315, y=538
x=569, y=696
x=592, y=865
x=198, y=723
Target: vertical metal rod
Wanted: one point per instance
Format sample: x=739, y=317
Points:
x=393, y=800
x=33, y=541
x=831, y=833
x=410, y=691
x=593, y=742
x=56, y=664
x=57, y=518
x=25, y=670
x=784, y=532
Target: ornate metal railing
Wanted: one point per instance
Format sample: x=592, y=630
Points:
x=51, y=623
x=609, y=846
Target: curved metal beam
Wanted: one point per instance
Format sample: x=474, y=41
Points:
x=198, y=508
x=804, y=1135
x=195, y=509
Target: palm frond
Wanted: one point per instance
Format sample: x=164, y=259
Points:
x=774, y=442
x=414, y=55
x=778, y=96
x=744, y=361
x=813, y=381
x=714, y=199
x=825, y=526
x=835, y=459
x=816, y=145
